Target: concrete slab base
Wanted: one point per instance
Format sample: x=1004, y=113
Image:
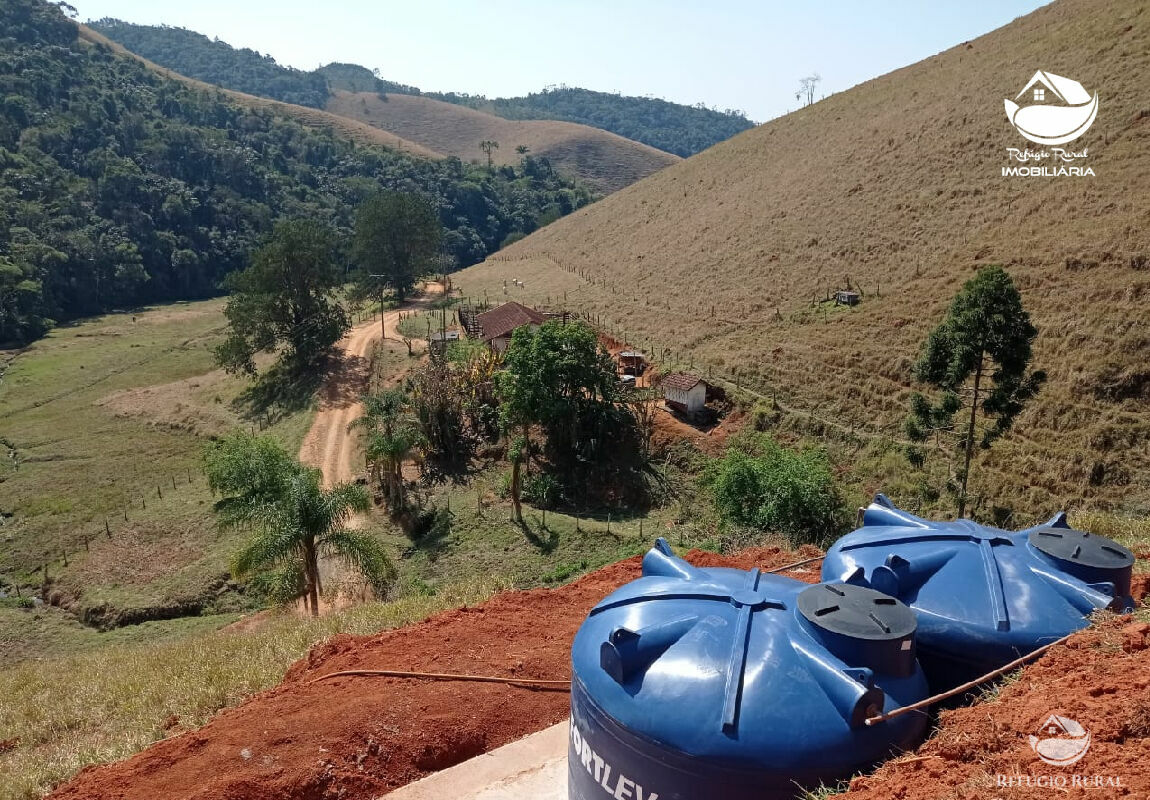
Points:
x=534, y=767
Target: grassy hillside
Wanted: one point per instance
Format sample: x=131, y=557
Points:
x=671, y=127
x=896, y=187
x=313, y=117
x=102, y=426
x=603, y=160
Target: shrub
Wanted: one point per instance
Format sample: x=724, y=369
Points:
x=511, y=239
x=541, y=490
x=766, y=486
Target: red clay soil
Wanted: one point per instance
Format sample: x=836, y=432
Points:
x=1101, y=678
x=357, y=738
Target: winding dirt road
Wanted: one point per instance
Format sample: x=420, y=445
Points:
x=328, y=444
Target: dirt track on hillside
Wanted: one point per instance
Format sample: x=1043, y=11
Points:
x=328, y=444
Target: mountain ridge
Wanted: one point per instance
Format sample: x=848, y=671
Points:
x=672, y=127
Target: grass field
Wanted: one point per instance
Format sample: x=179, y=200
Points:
x=103, y=422
x=107, y=704
x=895, y=187
x=603, y=160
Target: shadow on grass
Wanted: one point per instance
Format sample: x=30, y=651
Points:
x=545, y=542
x=279, y=393
x=429, y=532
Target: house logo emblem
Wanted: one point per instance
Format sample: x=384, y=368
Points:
x=1059, y=109
x=1064, y=741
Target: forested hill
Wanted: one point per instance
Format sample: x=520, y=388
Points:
x=672, y=127
x=119, y=186
x=212, y=61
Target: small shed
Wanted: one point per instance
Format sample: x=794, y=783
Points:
x=497, y=325
x=439, y=340
x=685, y=393
x=846, y=297
x=632, y=362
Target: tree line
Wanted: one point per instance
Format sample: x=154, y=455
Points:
x=120, y=187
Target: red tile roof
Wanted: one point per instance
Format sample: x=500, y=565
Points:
x=681, y=380
x=509, y=316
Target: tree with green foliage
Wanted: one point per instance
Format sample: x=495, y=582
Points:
x=987, y=335
x=391, y=435
x=286, y=300
x=297, y=521
x=489, y=146
x=760, y=484
x=397, y=239
x=560, y=378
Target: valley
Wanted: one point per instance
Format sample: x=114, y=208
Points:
x=304, y=372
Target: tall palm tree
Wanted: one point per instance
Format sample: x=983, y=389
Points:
x=308, y=522
x=296, y=520
x=391, y=436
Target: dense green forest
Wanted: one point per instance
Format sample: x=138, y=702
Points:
x=354, y=78
x=673, y=127
x=212, y=61
x=119, y=186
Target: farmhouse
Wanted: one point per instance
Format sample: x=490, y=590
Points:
x=685, y=393
x=497, y=325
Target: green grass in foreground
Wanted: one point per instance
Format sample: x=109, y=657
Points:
x=108, y=704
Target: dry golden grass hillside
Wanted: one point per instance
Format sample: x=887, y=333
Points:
x=896, y=186
x=603, y=160
x=359, y=132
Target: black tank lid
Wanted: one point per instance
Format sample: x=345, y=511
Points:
x=856, y=611
x=1080, y=547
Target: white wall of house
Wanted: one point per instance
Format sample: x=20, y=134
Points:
x=692, y=399
x=499, y=343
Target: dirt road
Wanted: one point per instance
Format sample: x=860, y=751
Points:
x=328, y=444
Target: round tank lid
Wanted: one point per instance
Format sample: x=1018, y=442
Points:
x=1080, y=547
x=856, y=611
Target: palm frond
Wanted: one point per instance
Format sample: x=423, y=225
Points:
x=363, y=553
x=283, y=584
x=276, y=541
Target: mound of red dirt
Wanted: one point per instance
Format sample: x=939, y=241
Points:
x=354, y=737
x=1100, y=678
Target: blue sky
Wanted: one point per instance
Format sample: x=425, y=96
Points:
x=725, y=53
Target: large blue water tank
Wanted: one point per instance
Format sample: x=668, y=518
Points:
x=694, y=683
x=983, y=596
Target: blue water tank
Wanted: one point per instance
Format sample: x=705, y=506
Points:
x=694, y=683
x=983, y=596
